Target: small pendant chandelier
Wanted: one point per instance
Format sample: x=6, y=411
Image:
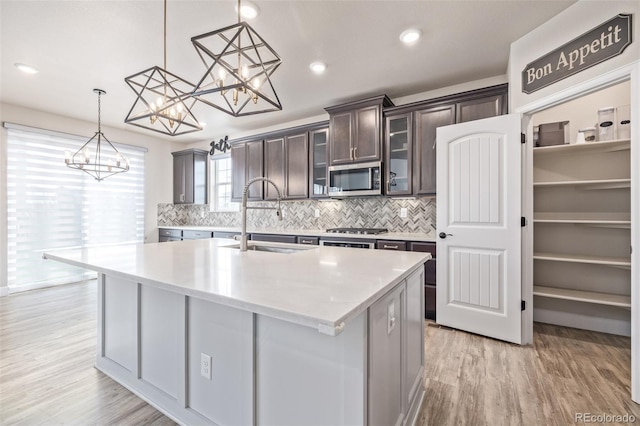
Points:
x=97, y=159
x=239, y=67
x=164, y=101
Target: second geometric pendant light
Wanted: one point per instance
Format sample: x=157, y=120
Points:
x=163, y=103
x=239, y=65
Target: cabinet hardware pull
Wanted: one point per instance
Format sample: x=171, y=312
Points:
x=355, y=152
x=350, y=153
x=389, y=246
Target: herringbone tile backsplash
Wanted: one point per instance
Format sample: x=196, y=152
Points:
x=372, y=212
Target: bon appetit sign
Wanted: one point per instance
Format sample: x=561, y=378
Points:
x=591, y=48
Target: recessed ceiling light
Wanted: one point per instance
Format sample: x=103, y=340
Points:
x=318, y=67
x=410, y=36
x=248, y=10
x=27, y=69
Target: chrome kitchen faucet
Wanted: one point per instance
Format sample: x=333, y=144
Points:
x=245, y=195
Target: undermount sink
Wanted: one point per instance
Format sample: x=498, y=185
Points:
x=273, y=249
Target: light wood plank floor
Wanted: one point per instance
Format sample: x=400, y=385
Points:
x=48, y=340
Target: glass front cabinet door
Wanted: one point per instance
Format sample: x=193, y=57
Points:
x=318, y=163
x=398, y=164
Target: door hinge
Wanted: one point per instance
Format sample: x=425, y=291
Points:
x=523, y=221
x=523, y=305
x=523, y=138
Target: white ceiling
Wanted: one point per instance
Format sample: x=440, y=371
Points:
x=81, y=45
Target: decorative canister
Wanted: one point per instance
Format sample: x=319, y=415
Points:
x=588, y=134
x=606, y=120
x=623, y=114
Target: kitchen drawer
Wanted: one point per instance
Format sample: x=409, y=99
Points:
x=391, y=245
x=167, y=239
x=224, y=234
x=314, y=241
x=274, y=238
x=423, y=247
x=175, y=233
x=195, y=235
x=430, y=302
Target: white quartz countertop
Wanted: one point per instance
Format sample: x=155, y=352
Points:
x=320, y=287
x=399, y=236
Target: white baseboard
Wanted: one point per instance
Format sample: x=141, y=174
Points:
x=4, y=291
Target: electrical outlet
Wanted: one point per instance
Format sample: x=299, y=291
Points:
x=317, y=213
x=205, y=366
x=391, y=317
x=403, y=212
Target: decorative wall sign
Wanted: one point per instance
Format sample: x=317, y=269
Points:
x=604, y=42
x=222, y=145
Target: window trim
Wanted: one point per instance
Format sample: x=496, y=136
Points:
x=213, y=186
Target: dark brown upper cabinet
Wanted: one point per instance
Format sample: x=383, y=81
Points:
x=355, y=130
x=426, y=123
x=286, y=164
x=399, y=154
x=246, y=164
x=427, y=116
x=484, y=107
x=318, y=156
x=190, y=176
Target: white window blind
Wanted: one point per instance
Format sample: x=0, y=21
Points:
x=50, y=206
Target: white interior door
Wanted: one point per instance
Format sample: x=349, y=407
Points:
x=478, y=225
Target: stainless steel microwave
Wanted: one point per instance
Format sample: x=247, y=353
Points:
x=355, y=180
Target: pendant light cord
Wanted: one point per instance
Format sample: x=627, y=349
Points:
x=165, y=35
x=99, y=113
x=239, y=44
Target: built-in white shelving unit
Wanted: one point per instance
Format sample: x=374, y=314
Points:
x=592, y=183
x=581, y=234
x=594, y=260
x=583, y=296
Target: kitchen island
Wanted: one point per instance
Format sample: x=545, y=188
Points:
x=280, y=334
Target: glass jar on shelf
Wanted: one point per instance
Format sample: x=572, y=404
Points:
x=606, y=123
x=588, y=134
x=623, y=121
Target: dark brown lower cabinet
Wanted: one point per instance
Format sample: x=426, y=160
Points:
x=429, y=277
x=165, y=235
x=189, y=234
x=313, y=241
x=225, y=234
x=391, y=245
x=274, y=238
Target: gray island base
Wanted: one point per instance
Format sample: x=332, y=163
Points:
x=211, y=335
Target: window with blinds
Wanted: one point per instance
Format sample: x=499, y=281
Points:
x=50, y=206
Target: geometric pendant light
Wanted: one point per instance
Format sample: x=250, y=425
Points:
x=239, y=65
x=98, y=157
x=163, y=103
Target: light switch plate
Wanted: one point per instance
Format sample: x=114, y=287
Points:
x=317, y=213
x=403, y=212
